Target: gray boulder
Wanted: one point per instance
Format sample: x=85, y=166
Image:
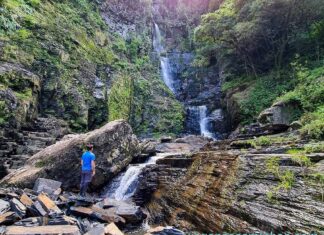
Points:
x=114, y=147
x=279, y=114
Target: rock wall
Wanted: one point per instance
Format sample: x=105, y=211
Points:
x=114, y=146
x=232, y=191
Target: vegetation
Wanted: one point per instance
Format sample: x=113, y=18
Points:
x=286, y=177
x=270, y=49
x=68, y=45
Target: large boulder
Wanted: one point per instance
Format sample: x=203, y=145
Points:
x=114, y=147
x=279, y=115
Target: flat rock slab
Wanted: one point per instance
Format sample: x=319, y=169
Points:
x=112, y=229
x=42, y=230
x=48, y=205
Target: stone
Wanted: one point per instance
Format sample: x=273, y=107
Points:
x=164, y=231
x=114, y=146
x=51, y=187
x=278, y=116
x=296, y=125
x=112, y=229
x=81, y=211
x=8, y=218
x=98, y=230
x=26, y=200
x=48, y=205
x=132, y=214
x=107, y=215
x=166, y=139
x=4, y=206
x=19, y=208
x=44, y=230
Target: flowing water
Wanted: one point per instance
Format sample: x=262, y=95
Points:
x=124, y=185
x=164, y=60
x=200, y=113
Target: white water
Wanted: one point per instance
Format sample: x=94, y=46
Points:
x=201, y=112
x=165, y=62
x=125, y=184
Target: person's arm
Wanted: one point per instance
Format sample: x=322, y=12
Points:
x=93, y=167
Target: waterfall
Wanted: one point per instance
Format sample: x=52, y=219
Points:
x=199, y=114
x=164, y=60
x=124, y=185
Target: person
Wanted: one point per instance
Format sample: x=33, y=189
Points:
x=88, y=169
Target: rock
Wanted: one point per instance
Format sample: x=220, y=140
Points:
x=26, y=200
x=39, y=221
x=98, y=230
x=176, y=162
x=44, y=230
x=8, y=218
x=4, y=206
x=165, y=139
x=48, y=205
x=114, y=146
x=296, y=125
x=51, y=187
x=18, y=207
x=280, y=114
x=107, y=215
x=132, y=214
x=112, y=229
x=164, y=231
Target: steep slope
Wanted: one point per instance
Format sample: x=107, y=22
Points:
x=77, y=56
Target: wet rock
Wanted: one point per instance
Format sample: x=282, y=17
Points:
x=4, y=206
x=44, y=230
x=115, y=146
x=176, y=162
x=50, y=187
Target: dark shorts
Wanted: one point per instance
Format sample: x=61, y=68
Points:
x=86, y=176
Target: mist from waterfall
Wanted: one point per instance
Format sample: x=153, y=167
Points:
x=164, y=60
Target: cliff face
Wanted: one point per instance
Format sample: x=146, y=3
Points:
x=235, y=191
x=78, y=50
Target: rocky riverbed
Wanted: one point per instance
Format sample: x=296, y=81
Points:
x=266, y=184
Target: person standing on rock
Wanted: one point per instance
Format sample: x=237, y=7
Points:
x=88, y=169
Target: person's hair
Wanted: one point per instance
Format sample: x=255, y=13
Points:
x=89, y=147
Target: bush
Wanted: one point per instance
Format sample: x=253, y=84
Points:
x=313, y=125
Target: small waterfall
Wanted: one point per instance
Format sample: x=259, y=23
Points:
x=199, y=114
x=124, y=185
x=164, y=60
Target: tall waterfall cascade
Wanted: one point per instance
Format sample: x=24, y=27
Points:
x=164, y=60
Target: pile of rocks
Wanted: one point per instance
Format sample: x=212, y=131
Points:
x=47, y=210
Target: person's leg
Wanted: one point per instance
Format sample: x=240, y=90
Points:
x=87, y=181
x=82, y=184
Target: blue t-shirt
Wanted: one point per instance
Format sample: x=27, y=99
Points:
x=87, y=157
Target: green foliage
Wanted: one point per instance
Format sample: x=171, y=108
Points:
x=286, y=177
x=314, y=147
x=121, y=98
x=313, y=124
